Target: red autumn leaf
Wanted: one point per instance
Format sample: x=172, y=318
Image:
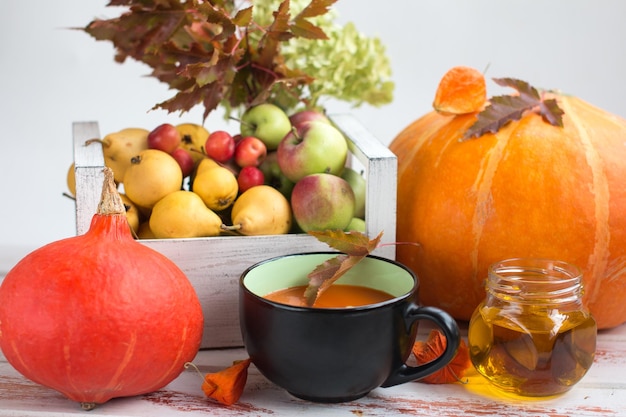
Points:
x=507, y=108
x=354, y=245
x=226, y=386
x=427, y=351
x=204, y=52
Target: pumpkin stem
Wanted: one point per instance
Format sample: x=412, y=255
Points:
x=110, y=201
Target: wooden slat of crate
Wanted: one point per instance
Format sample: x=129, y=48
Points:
x=213, y=265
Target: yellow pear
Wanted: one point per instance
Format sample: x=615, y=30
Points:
x=217, y=187
x=182, y=214
x=193, y=137
x=202, y=165
x=71, y=179
x=152, y=175
x=261, y=210
x=132, y=213
x=144, y=231
x=119, y=147
x=206, y=163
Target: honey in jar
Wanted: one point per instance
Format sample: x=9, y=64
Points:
x=532, y=336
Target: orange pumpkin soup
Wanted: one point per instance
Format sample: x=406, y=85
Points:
x=335, y=296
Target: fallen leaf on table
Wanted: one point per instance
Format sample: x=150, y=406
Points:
x=434, y=346
x=226, y=386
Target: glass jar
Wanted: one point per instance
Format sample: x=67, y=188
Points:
x=532, y=336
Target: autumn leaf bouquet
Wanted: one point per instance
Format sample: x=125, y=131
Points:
x=237, y=54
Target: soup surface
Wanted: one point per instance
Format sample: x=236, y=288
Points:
x=335, y=296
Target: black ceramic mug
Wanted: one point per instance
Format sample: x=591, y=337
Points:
x=337, y=354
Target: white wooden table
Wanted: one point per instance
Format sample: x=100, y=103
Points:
x=601, y=393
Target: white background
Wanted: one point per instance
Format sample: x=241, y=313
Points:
x=52, y=76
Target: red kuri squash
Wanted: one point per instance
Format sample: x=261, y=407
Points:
x=99, y=315
x=530, y=190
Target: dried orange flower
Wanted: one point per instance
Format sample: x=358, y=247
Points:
x=461, y=90
x=431, y=349
x=226, y=386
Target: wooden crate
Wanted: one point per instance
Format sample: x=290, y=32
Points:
x=214, y=264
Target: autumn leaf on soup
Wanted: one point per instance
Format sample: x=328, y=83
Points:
x=434, y=347
x=226, y=386
x=507, y=108
x=354, y=247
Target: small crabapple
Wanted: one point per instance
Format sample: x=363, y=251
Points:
x=250, y=176
x=250, y=151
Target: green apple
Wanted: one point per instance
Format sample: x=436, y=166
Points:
x=356, y=224
x=267, y=122
x=274, y=176
x=312, y=148
x=322, y=202
x=359, y=186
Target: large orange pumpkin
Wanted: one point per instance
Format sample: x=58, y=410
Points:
x=529, y=190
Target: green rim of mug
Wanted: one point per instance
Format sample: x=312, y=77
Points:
x=292, y=270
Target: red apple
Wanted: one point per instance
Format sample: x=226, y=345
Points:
x=185, y=160
x=220, y=146
x=248, y=177
x=164, y=137
x=322, y=202
x=311, y=148
x=308, y=115
x=250, y=151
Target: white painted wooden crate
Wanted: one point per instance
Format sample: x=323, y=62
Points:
x=214, y=264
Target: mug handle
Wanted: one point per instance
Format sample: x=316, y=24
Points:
x=450, y=329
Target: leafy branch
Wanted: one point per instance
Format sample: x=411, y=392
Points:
x=214, y=52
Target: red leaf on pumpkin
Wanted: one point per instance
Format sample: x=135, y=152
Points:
x=507, y=108
x=226, y=386
x=434, y=346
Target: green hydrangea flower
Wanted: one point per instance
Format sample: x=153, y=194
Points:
x=348, y=66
